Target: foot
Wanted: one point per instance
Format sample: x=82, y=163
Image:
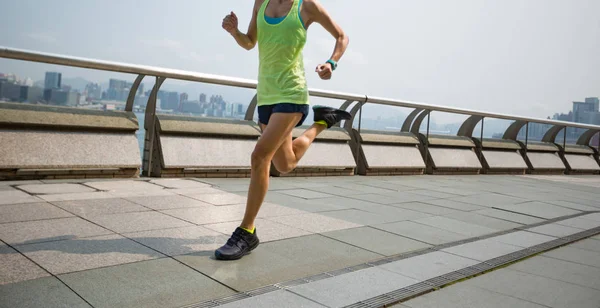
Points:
x=239, y=244
x=329, y=115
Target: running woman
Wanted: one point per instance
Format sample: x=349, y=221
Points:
x=279, y=27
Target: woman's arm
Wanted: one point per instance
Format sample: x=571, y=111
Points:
x=245, y=40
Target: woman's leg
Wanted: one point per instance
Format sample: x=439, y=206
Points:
x=290, y=152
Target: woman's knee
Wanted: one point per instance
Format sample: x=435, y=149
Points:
x=260, y=156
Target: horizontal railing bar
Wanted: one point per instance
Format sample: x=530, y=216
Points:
x=26, y=55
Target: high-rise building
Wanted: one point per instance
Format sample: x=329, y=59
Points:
x=587, y=112
x=168, y=100
x=183, y=97
x=202, y=98
x=53, y=80
x=93, y=91
x=118, y=90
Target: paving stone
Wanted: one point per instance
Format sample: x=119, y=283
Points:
x=594, y=216
x=6, y=188
x=141, y=193
x=155, y=283
x=140, y=221
x=432, y=193
x=96, y=207
x=456, y=191
x=125, y=185
x=581, y=256
x=588, y=244
x=388, y=186
x=36, y=189
x=573, y=206
x=274, y=210
x=209, y=215
x=429, y=265
x=14, y=267
x=394, y=213
x=555, y=230
x=30, y=232
x=304, y=193
x=341, y=203
x=61, y=257
x=518, y=218
x=366, y=189
x=280, y=261
x=315, y=223
x=195, y=191
x=378, y=241
x=464, y=296
x=489, y=200
x=361, y=217
x=178, y=241
x=280, y=298
x=539, y=209
x=385, y=199
x=16, y=196
x=541, y=290
x=47, y=292
x=234, y=187
x=267, y=230
x=338, y=191
x=583, y=275
x=455, y=226
x=457, y=205
x=179, y=183
x=30, y=211
x=420, y=232
x=168, y=202
x=523, y=239
x=482, y=250
x=425, y=208
x=76, y=196
x=580, y=223
x=484, y=221
x=220, y=199
x=350, y=288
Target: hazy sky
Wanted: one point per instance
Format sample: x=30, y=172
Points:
x=527, y=57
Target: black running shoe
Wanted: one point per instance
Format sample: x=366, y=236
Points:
x=331, y=116
x=239, y=244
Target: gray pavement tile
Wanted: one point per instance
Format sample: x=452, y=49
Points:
x=96, y=207
x=510, y=216
x=280, y=261
x=16, y=196
x=388, y=186
x=593, y=201
x=36, y=189
x=76, y=196
x=457, y=205
x=523, y=239
x=234, y=187
x=275, y=210
x=541, y=290
x=6, y=188
x=30, y=232
x=366, y=189
x=574, y=206
x=539, y=209
x=386, y=199
x=464, y=296
x=313, y=205
x=168, y=202
x=485, y=221
x=343, y=203
x=304, y=193
x=47, y=292
x=155, y=283
x=580, y=223
x=420, y=232
x=378, y=241
x=594, y=216
x=61, y=257
x=124, y=185
x=361, y=217
x=394, y=213
x=576, y=255
x=267, y=230
x=195, y=191
x=588, y=244
x=30, y=211
x=429, y=265
x=338, y=191
x=315, y=223
x=220, y=199
x=140, y=221
x=279, y=298
x=482, y=250
x=18, y=182
x=555, y=230
x=432, y=193
x=489, y=200
x=583, y=275
x=456, y=191
x=179, y=183
x=209, y=215
x=14, y=267
x=455, y=226
x=425, y=208
x=350, y=288
x=178, y=241
x=141, y=193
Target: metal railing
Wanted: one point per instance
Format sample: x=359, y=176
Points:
x=421, y=111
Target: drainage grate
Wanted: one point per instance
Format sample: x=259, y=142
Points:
x=456, y=275
x=207, y=304
x=318, y=277
x=380, y=262
x=358, y=305
x=509, y=258
x=264, y=290
x=230, y=299
x=437, y=281
x=359, y=267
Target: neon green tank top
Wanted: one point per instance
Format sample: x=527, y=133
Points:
x=281, y=77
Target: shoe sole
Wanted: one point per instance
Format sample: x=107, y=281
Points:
x=221, y=257
x=344, y=115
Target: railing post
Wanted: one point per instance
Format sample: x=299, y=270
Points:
x=133, y=91
x=250, y=111
x=526, y=136
x=150, y=142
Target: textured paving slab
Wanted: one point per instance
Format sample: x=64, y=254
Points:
x=367, y=189
x=555, y=230
x=509, y=216
x=274, y=299
x=141, y=221
x=361, y=217
x=304, y=193
x=484, y=221
x=178, y=241
x=279, y=261
x=120, y=186
x=539, y=209
x=44, y=292
x=426, y=208
x=482, y=250
x=583, y=275
x=429, y=265
x=463, y=296
x=420, y=232
x=315, y=223
x=489, y=200
x=209, y=215
x=36, y=189
x=573, y=206
x=588, y=244
x=457, y=205
x=14, y=267
x=390, y=199
x=338, y=191
x=190, y=192
x=313, y=205
x=98, y=207
x=540, y=290
x=49, y=230
x=155, y=283
x=179, y=183
x=30, y=211
x=167, y=202
x=267, y=230
x=580, y=223
x=456, y=226
x=220, y=199
x=576, y=255
x=395, y=213
x=523, y=239
x=15, y=197
x=377, y=241
x=76, y=196
x=350, y=288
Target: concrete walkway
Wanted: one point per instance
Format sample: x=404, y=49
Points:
x=149, y=243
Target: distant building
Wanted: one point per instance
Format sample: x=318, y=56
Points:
x=61, y=97
x=53, y=80
x=202, y=98
x=93, y=91
x=191, y=107
x=33, y=94
x=10, y=91
x=118, y=90
x=168, y=100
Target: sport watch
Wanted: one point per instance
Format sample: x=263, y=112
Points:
x=333, y=64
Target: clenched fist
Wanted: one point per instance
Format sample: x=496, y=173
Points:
x=230, y=23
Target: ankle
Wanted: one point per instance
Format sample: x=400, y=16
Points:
x=249, y=229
